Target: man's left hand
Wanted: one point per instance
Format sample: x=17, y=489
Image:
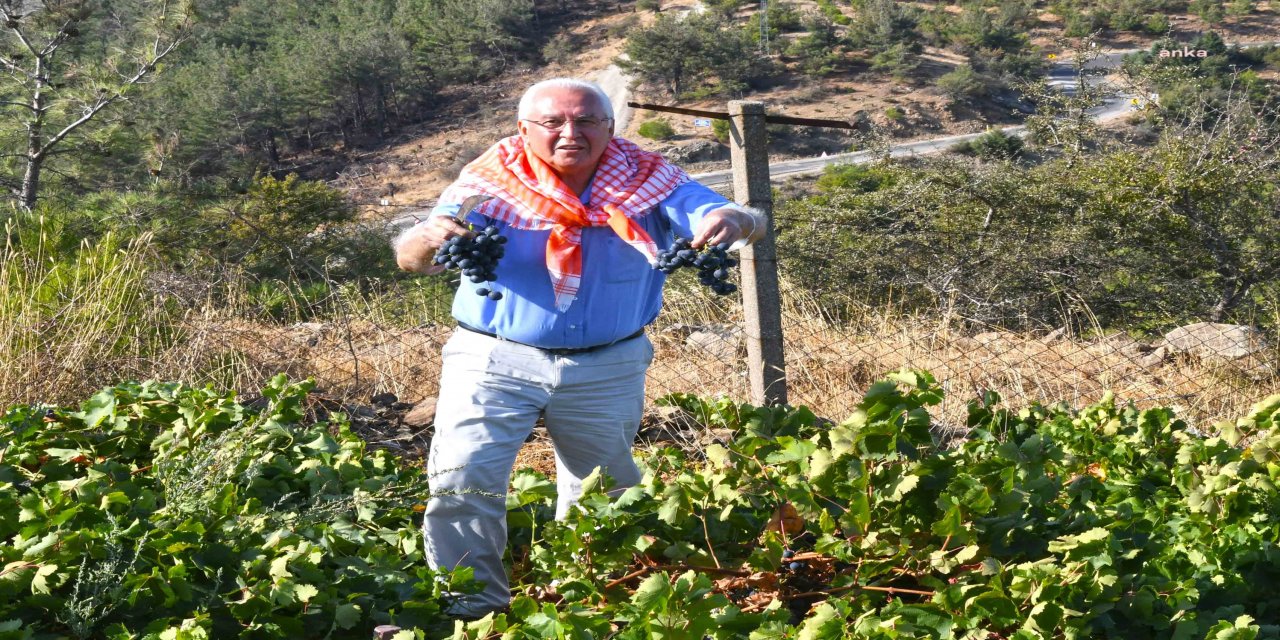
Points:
x=726, y=226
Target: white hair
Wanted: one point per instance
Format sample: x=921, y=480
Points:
x=526, y=101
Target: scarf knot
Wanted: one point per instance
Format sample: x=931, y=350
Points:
x=627, y=184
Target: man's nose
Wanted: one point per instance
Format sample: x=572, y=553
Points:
x=570, y=129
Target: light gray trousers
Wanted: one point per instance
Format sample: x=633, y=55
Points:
x=491, y=394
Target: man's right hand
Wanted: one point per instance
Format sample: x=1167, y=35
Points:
x=416, y=250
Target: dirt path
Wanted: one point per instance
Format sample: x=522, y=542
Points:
x=614, y=82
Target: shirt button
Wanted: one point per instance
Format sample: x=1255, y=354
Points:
x=573, y=326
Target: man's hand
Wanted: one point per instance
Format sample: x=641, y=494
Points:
x=727, y=225
x=416, y=248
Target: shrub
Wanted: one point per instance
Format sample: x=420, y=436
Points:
x=859, y=178
x=720, y=128
x=649, y=5
x=1208, y=10
x=820, y=50
x=561, y=48
x=282, y=228
x=898, y=60
x=1157, y=24
x=893, y=113
x=658, y=129
x=996, y=144
x=962, y=83
x=1240, y=8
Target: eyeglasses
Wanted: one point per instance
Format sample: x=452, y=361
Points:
x=557, y=124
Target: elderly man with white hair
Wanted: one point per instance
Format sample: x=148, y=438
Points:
x=585, y=214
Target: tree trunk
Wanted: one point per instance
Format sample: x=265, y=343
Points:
x=1232, y=293
x=31, y=183
x=381, y=112
x=273, y=152
x=35, y=152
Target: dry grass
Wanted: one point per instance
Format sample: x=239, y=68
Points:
x=68, y=330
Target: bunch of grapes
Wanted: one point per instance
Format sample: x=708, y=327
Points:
x=713, y=264
x=789, y=561
x=477, y=256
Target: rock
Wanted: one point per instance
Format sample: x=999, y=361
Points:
x=311, y=331
x=423, y=414
x=385, y=632
x=383, y=400
x=988, y=337
x=1216, y=339
x=1154, y=359
x=680, y=330
x=358, y=412
x=698, y=151
x=1054, y=336
x=718, y=342
x=1118, y=342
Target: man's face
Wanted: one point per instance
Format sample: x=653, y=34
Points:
x=574, y=150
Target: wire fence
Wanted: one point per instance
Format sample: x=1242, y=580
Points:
x=373, y=344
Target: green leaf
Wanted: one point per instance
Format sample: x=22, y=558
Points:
x=46, y=579
x=652, y=594
x=993, y=606
x=902, y=487
x=825, y=623
x=98, y=408
x=347, y=615
x=305, y=592
x=280, y=569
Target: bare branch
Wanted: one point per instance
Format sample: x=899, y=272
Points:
x=13, y=66
x=57, y=39
x=18, y=104
x=101, y=103
x=5, y=15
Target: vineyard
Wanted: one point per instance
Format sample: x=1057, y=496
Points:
x=163, y=511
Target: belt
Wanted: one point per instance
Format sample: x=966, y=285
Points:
x=559, y=351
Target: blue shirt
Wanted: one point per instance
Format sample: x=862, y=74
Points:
x=620, y=293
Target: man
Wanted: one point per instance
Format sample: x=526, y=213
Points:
x=585, y=214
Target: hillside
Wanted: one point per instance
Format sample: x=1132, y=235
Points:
x=423, y=159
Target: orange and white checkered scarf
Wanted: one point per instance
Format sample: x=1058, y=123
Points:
x=628, y=182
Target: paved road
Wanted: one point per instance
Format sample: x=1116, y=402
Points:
x=1110, y=109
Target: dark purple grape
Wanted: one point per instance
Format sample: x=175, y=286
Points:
x=477, y=256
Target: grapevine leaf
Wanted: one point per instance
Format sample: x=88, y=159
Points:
x=347, y=615
x=45, y=579
x=305, y=592
x=824, y=624
x=904, y=486
x=652, y=594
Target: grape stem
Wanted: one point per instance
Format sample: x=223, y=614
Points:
x=864, y=587
x=673, y=568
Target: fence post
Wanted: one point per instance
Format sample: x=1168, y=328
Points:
x=761, y=300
